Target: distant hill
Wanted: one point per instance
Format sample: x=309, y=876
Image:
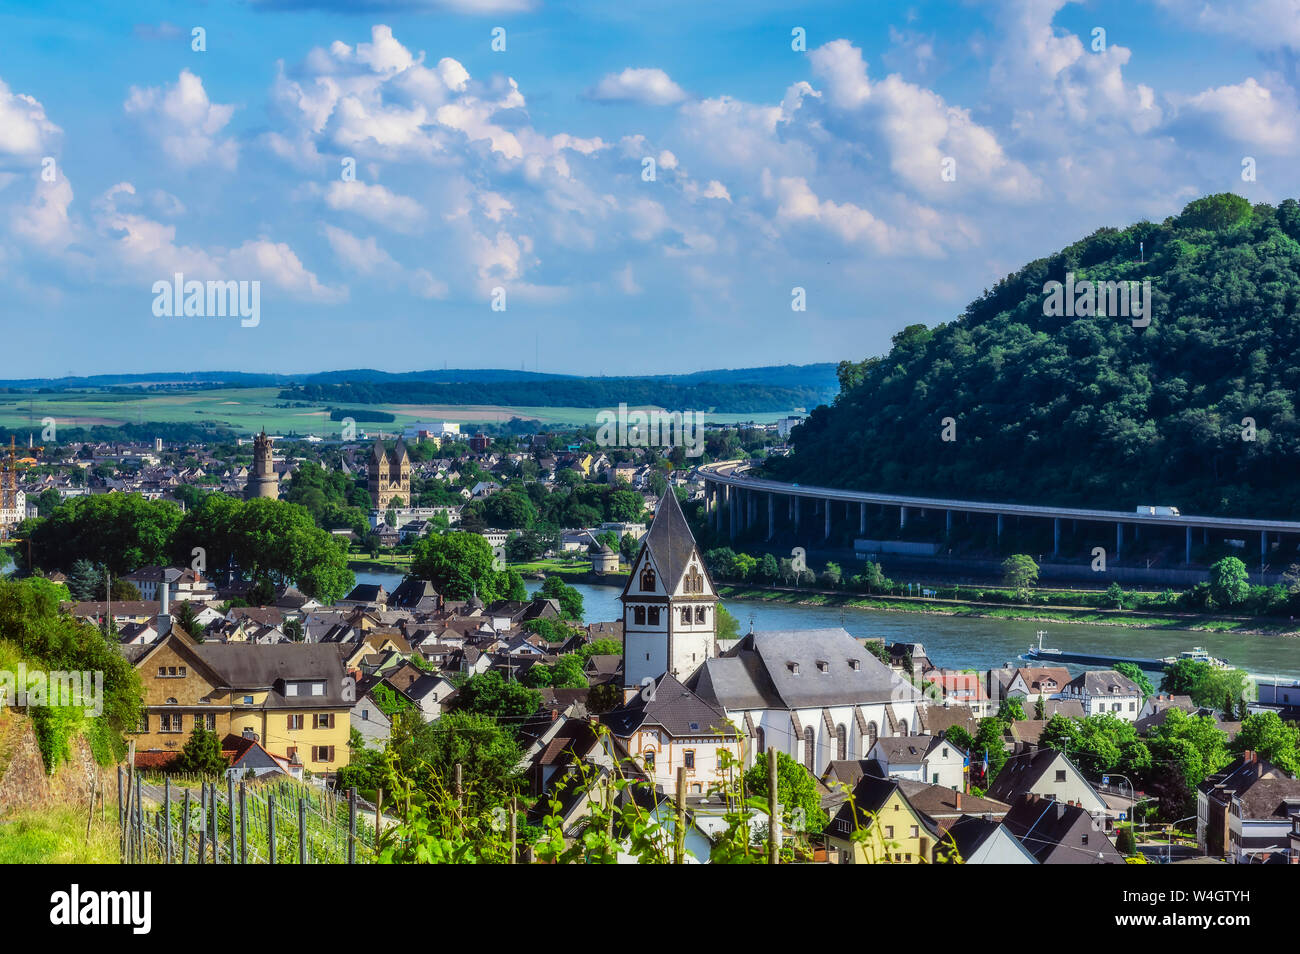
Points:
x=733, y=391
x=1088, y=410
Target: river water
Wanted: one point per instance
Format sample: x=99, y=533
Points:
x=971, y=643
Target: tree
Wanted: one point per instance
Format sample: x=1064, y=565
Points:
x=1011, y=710
x=188, y=620
x=458, y=565
x=725, y=626
x=1114, y=597
x=85, y=581
x=768, y=568
x=487, y=693
x=1020, y=572
x=796, y=790
x=202, y=754
x=293, y=629
x=1273, y=739
x=486, y=752
x=1206, y=684
x=1185, y=751
x=988, y=742
x=569, y=599
x=1229, y=582
x=1135, y=673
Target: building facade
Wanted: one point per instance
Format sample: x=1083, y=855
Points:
x=389, y=477
x=263, y=480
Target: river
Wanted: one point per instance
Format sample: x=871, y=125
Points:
x=958, y=642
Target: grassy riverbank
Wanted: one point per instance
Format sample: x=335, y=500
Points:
x=1133, y=619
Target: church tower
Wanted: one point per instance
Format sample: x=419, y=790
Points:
x=263, y=481
x=389, y=476
x=669, y=604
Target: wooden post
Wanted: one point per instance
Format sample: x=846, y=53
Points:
x=203, y=822
x=379, y=802
x=456, y=786
x=514, y=829
x=302, y=830
x=139, y=819
x=243, y=824
x=679, y=836
x=352, y=825
x=167, y=814
x=90, y=815
x=230, y=812
x=270, y=823
x=126, y=809
x=185, y=828
x=216, y=806
x=773, y=811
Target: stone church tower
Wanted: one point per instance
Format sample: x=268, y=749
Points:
x=669, y=604
x=263, y=481
x=389, y=476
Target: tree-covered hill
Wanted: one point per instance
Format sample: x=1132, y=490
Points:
x=1092, y=410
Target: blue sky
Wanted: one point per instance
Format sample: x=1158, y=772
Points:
x=522, y=170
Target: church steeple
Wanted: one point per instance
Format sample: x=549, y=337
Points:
x=669, y=604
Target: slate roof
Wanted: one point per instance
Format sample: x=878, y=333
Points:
x=1057, y=833
x=799, y=669
x=1105, y=682
x=672, y=707
x=670, y=541
x=245, y=666
x=906, y=749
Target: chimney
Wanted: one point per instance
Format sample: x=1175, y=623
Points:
x=958, y=801
x=164, y=614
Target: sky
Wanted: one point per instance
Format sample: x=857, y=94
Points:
x=593, y=188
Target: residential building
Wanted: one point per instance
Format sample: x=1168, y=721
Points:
x=1104, y=690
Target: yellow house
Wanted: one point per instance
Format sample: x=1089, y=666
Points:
x=293, y=698
x=888, y=829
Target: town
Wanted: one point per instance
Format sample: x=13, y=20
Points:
x=250, y=673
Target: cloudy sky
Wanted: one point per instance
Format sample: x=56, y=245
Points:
x=908, y=156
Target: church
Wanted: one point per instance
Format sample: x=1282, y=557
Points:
x=263, y=481
x=817, y=695
x=389, y=477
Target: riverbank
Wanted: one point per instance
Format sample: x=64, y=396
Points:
x=1122, y=618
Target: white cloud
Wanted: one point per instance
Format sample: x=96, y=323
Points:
x=184, y=122
x=649, y=87
x=376, y=203
x=24, y=129
x=1246, y=112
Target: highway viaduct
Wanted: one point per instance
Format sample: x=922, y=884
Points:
x=736, y=502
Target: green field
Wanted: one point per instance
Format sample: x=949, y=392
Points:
x=248, y=410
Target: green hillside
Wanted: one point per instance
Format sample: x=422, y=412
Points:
x=1089, y=410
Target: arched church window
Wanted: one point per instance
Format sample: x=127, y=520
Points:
x=699, y=614
x=760, y=739
x=638, y=615
x=841, y=743
x=872, y=734
x=686, y=616
x=809, y=756
x=648, y=580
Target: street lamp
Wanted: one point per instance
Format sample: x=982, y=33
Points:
x=1169, y=839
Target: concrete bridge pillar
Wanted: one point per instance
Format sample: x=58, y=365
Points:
x=826, y=535
x=902, y=517
x=798, y=506
x=771, y=515
x=999, y=528
x=862, y=519
x=1187, y=548
x=948, y=523
x=1056, y=536
x=1119, y=541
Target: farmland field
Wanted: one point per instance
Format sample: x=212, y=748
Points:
x=248, y=410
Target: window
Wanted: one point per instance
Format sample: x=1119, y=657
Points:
x=291, y=751
x=809, y=757
x=913, y=832
x=945, y=753
x=760, y=739
x=653, y=616
x=162, y=672
x=295, y=722
x=318, y=688
x=650, y=759
x=686, y=616
x=365, y=714
x=322, y=753
x=699, y=614
x=696, y=788
x=169, y=722
x=872, y=734
x=934, y=778
x=841, y=743
x=889, y=831
x=210, y=718
x=855, y=664
x=638, y=615
x=823, y=666
x=688, y=759
x=1060, y=775
x=248, y=700
x=291, y=689
x=1132, y=707
x=322, y=720
x=694, y=582
x=1085, y=838
x=144, y=723
x=647, y=580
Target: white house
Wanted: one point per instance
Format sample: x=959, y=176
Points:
x=922, y=758
x=1105, y=690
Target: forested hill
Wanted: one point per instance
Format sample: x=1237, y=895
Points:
x=1091, y=410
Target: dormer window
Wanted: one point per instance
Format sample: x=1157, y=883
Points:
x=855, y=664
x=794, y=668
x=823, y=666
